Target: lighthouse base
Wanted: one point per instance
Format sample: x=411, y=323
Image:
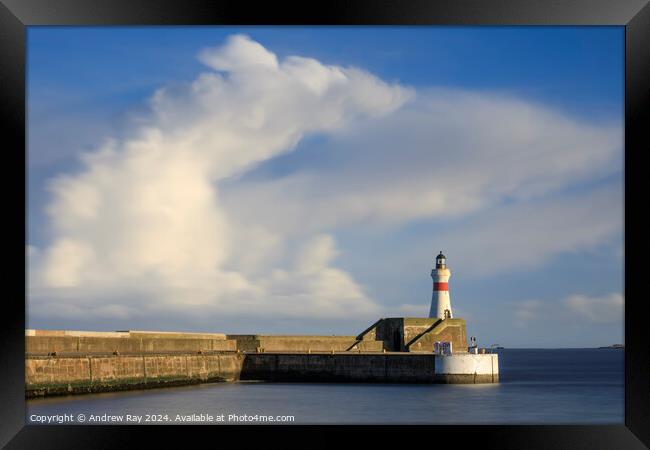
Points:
x=417, y=334
x=467, y=368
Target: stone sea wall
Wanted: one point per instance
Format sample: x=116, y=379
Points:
x=268, y=343
x=60, y=341
x=76, y=374
x=60, y=375
x=392, y=350
x=340, y=367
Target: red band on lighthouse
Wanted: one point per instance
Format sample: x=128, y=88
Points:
x=442, y=286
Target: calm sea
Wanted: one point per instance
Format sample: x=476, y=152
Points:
x=568, y=386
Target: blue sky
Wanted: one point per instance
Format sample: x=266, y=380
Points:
x=311, y=195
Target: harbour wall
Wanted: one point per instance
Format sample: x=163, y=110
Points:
x=45, y=342
x=391, y=334
x=398, y=350
x=340, y=367
x=273, y=343
x=398, y=367
x=76, y=374
x=418, y=334
x=397, y=334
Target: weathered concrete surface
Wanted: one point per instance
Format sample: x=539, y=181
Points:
x=420, y=337
x=340, y=367
x=176, y=335
x=62, y=361
x=415, y=334
x=466, y=378
x=397, y=334
x=270, y=343
x=52, y=333
x=392, y=334
x=47, y=375
x=157, y=345
x=128, y=333
x=467, y=368
x=43, y=344
x=54, y=375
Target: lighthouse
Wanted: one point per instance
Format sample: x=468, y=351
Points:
x=440, y=303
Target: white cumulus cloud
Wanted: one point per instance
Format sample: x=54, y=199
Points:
x=168, y=220
x=143, y=223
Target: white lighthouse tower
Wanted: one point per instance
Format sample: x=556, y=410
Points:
x=440, y=303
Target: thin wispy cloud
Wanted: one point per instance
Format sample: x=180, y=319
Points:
x=527, y=311
x=446, y=154
x=607, y=309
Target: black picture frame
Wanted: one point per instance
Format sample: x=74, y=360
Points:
x=16, y=15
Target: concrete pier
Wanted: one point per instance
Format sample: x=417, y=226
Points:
x=80, y=374
x=77, y=373
x=393, y=350
x=340, y=367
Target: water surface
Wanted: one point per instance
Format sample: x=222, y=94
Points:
x=567, y=386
